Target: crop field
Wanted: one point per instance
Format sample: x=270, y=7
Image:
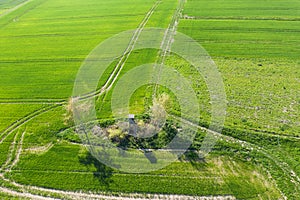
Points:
x=255, y=47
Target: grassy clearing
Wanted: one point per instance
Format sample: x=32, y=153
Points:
x=262, y=97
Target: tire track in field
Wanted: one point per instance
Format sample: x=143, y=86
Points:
x=10, y=152
x=168, y=40
x=118, y=68
x=75, y=195
x=10, y=163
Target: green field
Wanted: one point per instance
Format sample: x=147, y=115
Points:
x=254, y=44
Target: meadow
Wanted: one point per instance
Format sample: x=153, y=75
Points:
x=255, y=45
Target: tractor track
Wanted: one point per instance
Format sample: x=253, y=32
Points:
x=11, y=151
x=17, y=147
x=167, y=41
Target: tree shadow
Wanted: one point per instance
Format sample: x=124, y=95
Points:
x=150, y=156
x=196, y=160
x=103, y=173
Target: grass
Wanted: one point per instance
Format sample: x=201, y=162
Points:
x=32, y=46
x=218, y=175
x=258, y=59
x=10, y=113
x=254, y=44
x=8, y=4
x=5, y=146
x=269, y=39
x=243, y=9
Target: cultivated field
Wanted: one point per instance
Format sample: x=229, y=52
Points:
x=255, y=45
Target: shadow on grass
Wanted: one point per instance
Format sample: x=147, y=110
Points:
x=196, y=161
x=103, y=173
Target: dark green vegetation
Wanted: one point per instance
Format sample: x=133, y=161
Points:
x=255, y=45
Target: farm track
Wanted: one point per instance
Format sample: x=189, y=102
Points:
x=10, y=163
x=168, y=39
x=12, y=148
